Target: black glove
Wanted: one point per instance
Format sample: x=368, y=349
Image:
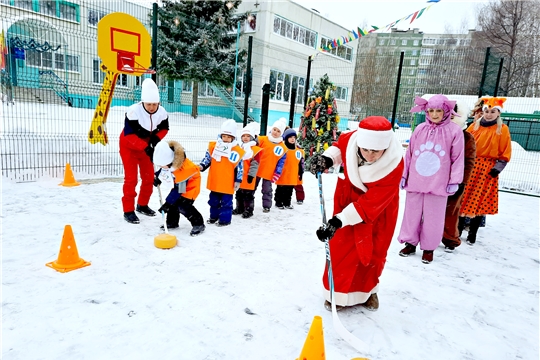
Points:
x=326, y=231
x=157, y=182
x=494, y=173
x=319, y=163
x=165, y=207
x=150, y=152
x=250, y=179
x=154, y=139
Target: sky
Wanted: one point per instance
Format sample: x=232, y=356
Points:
x=250, y=290
x=354, y=13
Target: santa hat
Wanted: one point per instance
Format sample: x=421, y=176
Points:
x=229, y=128
x=493, y=103
x=374, y=133
x=163, y=154
x=149, y=92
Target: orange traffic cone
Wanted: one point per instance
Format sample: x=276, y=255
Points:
x=68, y=257
x=314, y=346
x=69, y=179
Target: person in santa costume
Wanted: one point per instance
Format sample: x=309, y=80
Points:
x=146, y=123
x=366, y=202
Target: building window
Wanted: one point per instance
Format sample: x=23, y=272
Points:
x=393, y=42
x=344, y=52
x=381, y=42
x=414, y=52
x=122, y=80
x=426, y=52
x=47, y=7
x=24, y=4
x=59, y=61
x=413, y=62
x=424, y=61
x=69, y=11
x=187, y=86
x=251, y=23
x=411, y=72
x=422, y=71
x=428, y=42
x=340, y=93
x=416, y=42
x=94, y=16
x=137, y=81
x=205, y=90
x=72, y=63
x=403, y=42
x=282, y=83
x=294, y=32
x=33, y=58
x=97, y=75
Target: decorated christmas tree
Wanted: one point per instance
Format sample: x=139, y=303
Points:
x=319, y=123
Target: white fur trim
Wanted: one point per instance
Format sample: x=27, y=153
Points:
x=352, y=298
x=349, y=216
x=334, y=153
x=374, y=140
x=376, y=171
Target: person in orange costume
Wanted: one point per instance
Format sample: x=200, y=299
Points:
x=224, y=158
x=366, y=203
x=493, y=152
x=293, y=170
x=272, y=160
x=146, y=123
x=245, y=196
x=174, y=165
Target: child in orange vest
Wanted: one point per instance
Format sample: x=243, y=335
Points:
x=245, y=196
x=293, y=169
x=272, y=161
x=174, y=164
x=224, y=158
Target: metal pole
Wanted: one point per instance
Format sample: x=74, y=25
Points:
x=235, y=70
x=486, y=61
x=154, y=39
x=66, y=72
x=498, y=77
x=306, y=87
x=396, y=95
x=291, y=111
x=264, y=108
x=247, y=90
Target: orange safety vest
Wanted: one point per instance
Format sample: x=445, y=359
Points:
x=269, y=157
x=221, y=173
x=189, y=172
x=289, y=176
x=247, y=163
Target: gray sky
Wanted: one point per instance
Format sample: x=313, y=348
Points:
x=354, y=13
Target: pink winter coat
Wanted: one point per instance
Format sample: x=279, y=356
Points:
x=434, y=158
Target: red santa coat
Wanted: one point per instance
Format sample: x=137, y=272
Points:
x=367, y=201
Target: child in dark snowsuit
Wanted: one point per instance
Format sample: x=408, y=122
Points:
x=293, y=169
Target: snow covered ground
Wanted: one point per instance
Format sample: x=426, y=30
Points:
x=194, y=301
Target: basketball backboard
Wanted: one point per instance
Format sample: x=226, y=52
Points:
x=124, y=44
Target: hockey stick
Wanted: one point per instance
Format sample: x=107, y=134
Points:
x=345, y=334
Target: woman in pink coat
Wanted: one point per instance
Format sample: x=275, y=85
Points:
x=366, y=203
x=434, y=164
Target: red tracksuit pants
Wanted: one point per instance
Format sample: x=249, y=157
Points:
x=135, y=161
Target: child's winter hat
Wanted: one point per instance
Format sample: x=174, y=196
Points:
x=248, y=129
x=281, y=124
x=374, y=133
x=163, y=154
x=493, y=103
x=435, y=102
x=229, y=128
x=149, y=92
x=288, y=133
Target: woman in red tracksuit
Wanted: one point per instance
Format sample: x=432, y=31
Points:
x=145, y=125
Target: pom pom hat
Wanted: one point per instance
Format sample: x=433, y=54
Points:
x=149, y=91
x=163, y=154
x=281, y=124
x=229, y=128
x=493, y=103
x=288, y=133
x=374, y=133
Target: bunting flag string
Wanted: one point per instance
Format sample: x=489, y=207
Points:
x=353, y=35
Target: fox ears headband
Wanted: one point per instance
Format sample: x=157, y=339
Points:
x=493, y=103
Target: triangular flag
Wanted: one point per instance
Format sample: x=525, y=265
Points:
x=420, y=13
x=414, y=17
x=355, y=34
x=373, y=26
x=408, y=16
x=360, y=32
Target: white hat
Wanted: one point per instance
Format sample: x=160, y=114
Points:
x=281, y=124
x=229, y=128
x=150, y=91
x=374, y=133
x=248, y=130
x=163, y=154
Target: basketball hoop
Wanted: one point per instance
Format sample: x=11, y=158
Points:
x=126, y=63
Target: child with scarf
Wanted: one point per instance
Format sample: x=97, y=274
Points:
x=272, y=161
x=224, y=158
x=245, y=196
x=293, y=169
x=434, y=164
